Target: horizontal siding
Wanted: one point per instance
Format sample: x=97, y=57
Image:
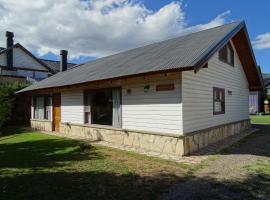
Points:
x=3, y=59
x=21, y=59
x=198, y=95
x=152, y=111
x=72, y=107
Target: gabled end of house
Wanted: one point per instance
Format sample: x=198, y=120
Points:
x=19, y=64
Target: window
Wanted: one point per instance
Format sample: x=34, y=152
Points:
x=226, y=54
x=219, y=101
x=42, y=107
x=103, y=107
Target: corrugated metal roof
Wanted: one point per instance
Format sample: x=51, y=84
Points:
x=177, y=53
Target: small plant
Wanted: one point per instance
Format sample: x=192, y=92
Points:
x=85, y=147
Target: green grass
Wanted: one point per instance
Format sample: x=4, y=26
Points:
x=256, y=119
x=260, y=184
x=39, y=166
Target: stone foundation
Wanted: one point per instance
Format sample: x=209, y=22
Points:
x=165, y=146
x=43, y=125
x=199, y=139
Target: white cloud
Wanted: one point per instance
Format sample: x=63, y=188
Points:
x=92, y=27
x=262, y=41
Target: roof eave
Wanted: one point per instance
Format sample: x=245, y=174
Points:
x=207, y=55
x=204, y=58
x=180, y=69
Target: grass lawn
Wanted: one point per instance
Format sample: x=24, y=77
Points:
x=39, y=166
x=256, y=119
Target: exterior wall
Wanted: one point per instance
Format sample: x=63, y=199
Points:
x=156, y=111
x=43, y=125
x=11, y=79
x=7, y=72
x=170, y=147
x=72, y=107
x=200, y=139
x=3, y=59
x=267, y=89
x=159, y=111
x=256, y=102
x=197, y=90
x=21, y=59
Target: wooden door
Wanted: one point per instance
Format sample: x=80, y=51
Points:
x=56, y=111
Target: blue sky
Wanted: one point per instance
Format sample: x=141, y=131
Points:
x=89, y=29
x=255, y=14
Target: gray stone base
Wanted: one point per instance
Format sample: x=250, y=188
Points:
x=161, y=145
x=199, y=139
x=43, y=125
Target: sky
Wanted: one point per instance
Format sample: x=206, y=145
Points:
x=90, y=29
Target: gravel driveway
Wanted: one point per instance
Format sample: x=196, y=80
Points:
x=228, y=177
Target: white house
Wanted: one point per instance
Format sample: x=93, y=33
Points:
x=19, y=64
x=172, y=97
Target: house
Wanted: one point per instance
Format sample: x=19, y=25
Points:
x=171, y=97
x=266, y=80
x=19, y=64
x=257, y=98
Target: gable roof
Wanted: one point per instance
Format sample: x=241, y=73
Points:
x=55, y=65
x=18, y=45
x=189, y=52
x=52, y=65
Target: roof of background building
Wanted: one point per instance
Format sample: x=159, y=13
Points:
x=52, y=65
x=266, y=79
x=182, y=53
x=55, y=65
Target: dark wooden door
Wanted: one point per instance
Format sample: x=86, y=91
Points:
x=56, y=111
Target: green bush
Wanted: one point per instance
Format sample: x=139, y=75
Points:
x=7, y=99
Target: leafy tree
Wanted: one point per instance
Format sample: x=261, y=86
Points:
x=7, y=99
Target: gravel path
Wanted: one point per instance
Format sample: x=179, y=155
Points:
x=227, y=177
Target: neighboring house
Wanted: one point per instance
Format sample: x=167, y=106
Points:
x=266, y=79
x=256, y=98
x=171, y=97
x=18, y=64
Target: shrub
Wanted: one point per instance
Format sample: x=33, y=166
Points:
x=7, y=99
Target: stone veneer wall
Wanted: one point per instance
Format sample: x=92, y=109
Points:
x=165, y=146
x=43, y=125
x=199, y=139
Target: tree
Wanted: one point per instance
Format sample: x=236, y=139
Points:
x=7, y=99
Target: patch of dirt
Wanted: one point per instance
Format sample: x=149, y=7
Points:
x=227, y=176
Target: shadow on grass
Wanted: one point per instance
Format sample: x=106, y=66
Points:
x=257, y=143
x=104, y=185
x=256, y=186
x=82, y=185
x=19, y=152
x=44, y=153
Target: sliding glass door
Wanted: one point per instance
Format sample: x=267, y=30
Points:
x=103, y=107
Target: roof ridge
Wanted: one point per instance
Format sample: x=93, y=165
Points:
x=166, y=40
x=55, y=61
